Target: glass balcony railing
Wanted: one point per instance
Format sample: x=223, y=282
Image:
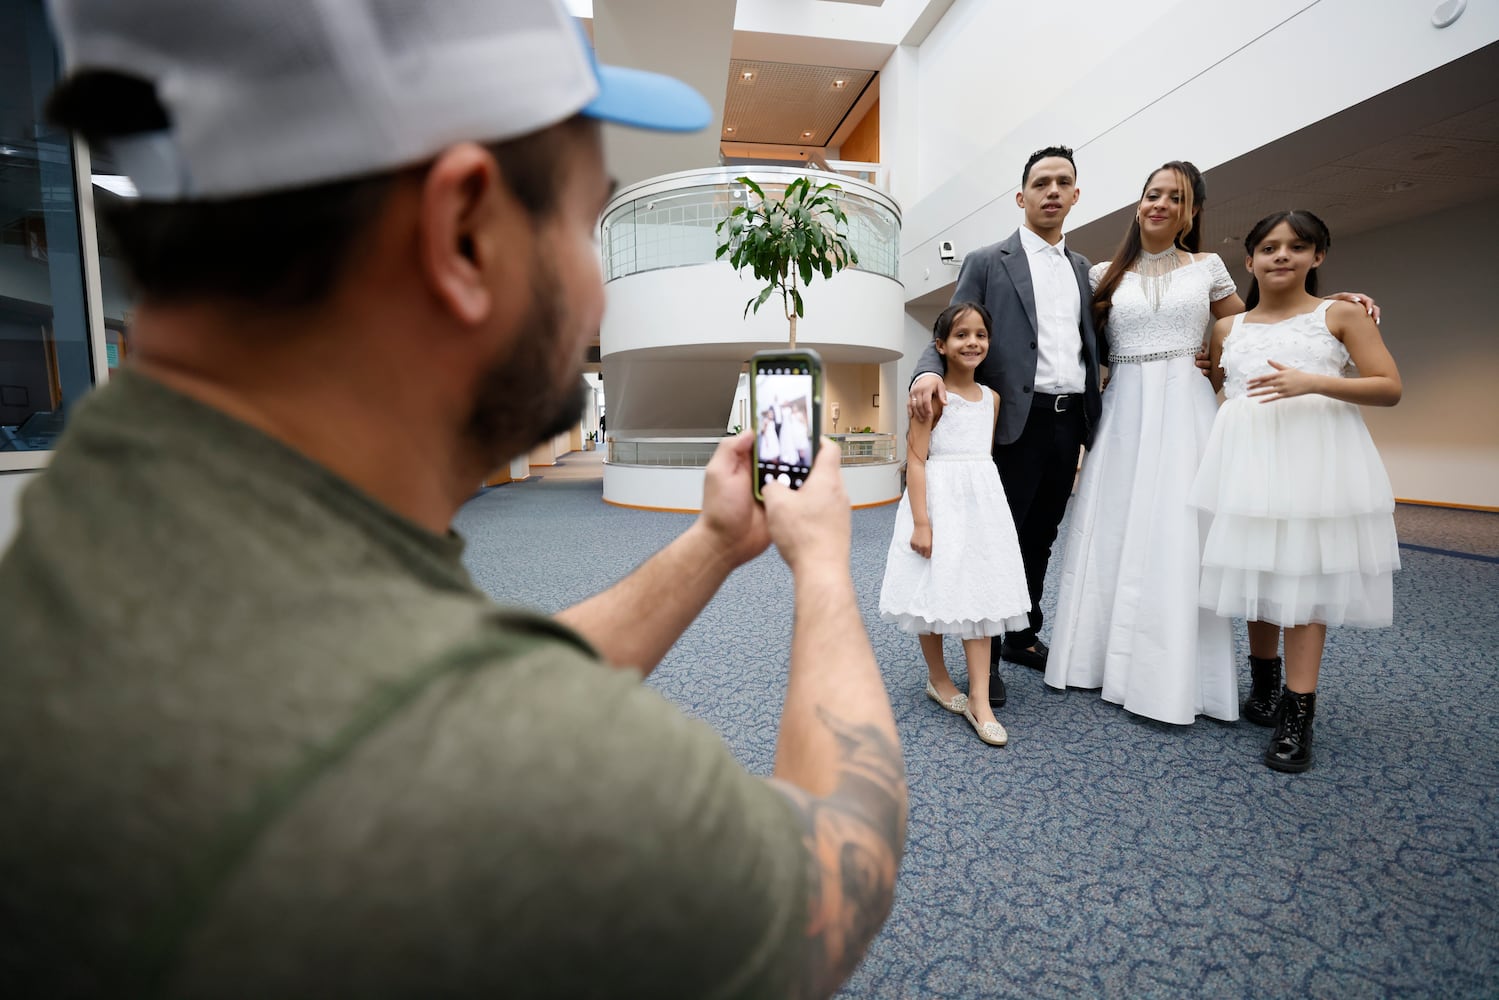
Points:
x=670, y=221
x=866, y=449
x=663, y=452
x=694, y=452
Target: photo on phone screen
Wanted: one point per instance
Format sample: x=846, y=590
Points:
x=786, y=394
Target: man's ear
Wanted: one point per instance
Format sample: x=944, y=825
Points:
x=468, y=214
x=1020, y=198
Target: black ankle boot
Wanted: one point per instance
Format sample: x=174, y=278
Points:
x=1291, y=746
x=1264, y=691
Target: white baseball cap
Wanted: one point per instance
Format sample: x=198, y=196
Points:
x=264, y=95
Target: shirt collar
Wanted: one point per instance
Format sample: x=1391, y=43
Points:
x=1034, y=244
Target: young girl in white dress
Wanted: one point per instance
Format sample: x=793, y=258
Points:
x=1303, y=531
x=954, y=563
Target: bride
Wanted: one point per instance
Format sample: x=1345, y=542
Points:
x=1127, y=618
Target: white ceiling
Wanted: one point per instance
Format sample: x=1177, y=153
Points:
x=789, y=103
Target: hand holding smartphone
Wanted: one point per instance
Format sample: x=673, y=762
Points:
x=786, y=402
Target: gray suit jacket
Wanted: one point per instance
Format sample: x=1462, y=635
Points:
x=998, y=277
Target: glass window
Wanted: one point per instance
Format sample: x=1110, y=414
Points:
x=45, y=360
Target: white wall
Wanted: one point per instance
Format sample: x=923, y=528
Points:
x=1185, y=78
x=689, y=41
x=11, y=484
x=1433, y=279
x=884, y=23
x=989, y=65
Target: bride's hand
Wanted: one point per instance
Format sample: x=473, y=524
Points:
x=1359, y=298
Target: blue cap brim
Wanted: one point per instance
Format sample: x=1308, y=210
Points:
x=642, y=99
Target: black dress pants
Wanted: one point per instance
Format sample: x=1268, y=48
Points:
x=1037, y=470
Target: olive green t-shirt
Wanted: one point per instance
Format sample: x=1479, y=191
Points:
x=262, y=737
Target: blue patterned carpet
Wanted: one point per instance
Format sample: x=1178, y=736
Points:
x=1100, y=854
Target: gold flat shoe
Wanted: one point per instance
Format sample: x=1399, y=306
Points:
x=957, y=704
x=991, y=733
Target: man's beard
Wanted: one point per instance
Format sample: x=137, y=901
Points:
x=518, y=404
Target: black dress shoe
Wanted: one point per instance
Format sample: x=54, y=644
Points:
x=996, y=687
x=1033, y=658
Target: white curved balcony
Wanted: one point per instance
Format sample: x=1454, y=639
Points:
x=669, y=297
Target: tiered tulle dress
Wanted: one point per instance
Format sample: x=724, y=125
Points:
x=1127, y=619
x=1303, y=525
x=974, y=583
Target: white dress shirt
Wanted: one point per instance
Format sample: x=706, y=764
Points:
x=1059, y=343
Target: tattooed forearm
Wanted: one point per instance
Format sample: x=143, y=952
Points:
x=855, y=837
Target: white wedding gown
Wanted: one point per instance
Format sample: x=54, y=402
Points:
x=1127, y=618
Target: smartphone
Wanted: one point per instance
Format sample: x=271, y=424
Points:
x=786, y=407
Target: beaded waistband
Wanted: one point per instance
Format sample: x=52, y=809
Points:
x=976, y=456
x=1176, y=352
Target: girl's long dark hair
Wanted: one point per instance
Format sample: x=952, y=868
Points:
x=1303, y=224
x=1194, y=194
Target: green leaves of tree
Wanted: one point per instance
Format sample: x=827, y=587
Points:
x=787, y=240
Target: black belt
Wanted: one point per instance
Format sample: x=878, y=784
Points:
x=1057, y=404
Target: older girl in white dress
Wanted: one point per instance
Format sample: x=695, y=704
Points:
x=1303, y=530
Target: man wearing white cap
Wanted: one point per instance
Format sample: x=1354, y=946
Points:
x=261, y=736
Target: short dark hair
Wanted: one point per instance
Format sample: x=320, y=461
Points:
x=1065, y=152
x=286, y=249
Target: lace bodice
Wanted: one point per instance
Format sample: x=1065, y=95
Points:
x=1137, y=332
x=1302, y=342
x=966, y=429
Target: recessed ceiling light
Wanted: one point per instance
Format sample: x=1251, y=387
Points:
x=729, y=129
x=806, y=135
x=839, y=84
x=747, y=75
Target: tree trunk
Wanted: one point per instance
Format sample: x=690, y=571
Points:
x=792, y=317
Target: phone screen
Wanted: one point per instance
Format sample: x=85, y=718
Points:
x=785, y=420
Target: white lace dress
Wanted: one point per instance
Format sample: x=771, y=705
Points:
x=1303, y=524
x=1127, y=617
x=974, y=583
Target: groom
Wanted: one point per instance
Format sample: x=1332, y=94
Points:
x=1042, y=363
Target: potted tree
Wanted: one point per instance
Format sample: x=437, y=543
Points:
x=787, y=240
